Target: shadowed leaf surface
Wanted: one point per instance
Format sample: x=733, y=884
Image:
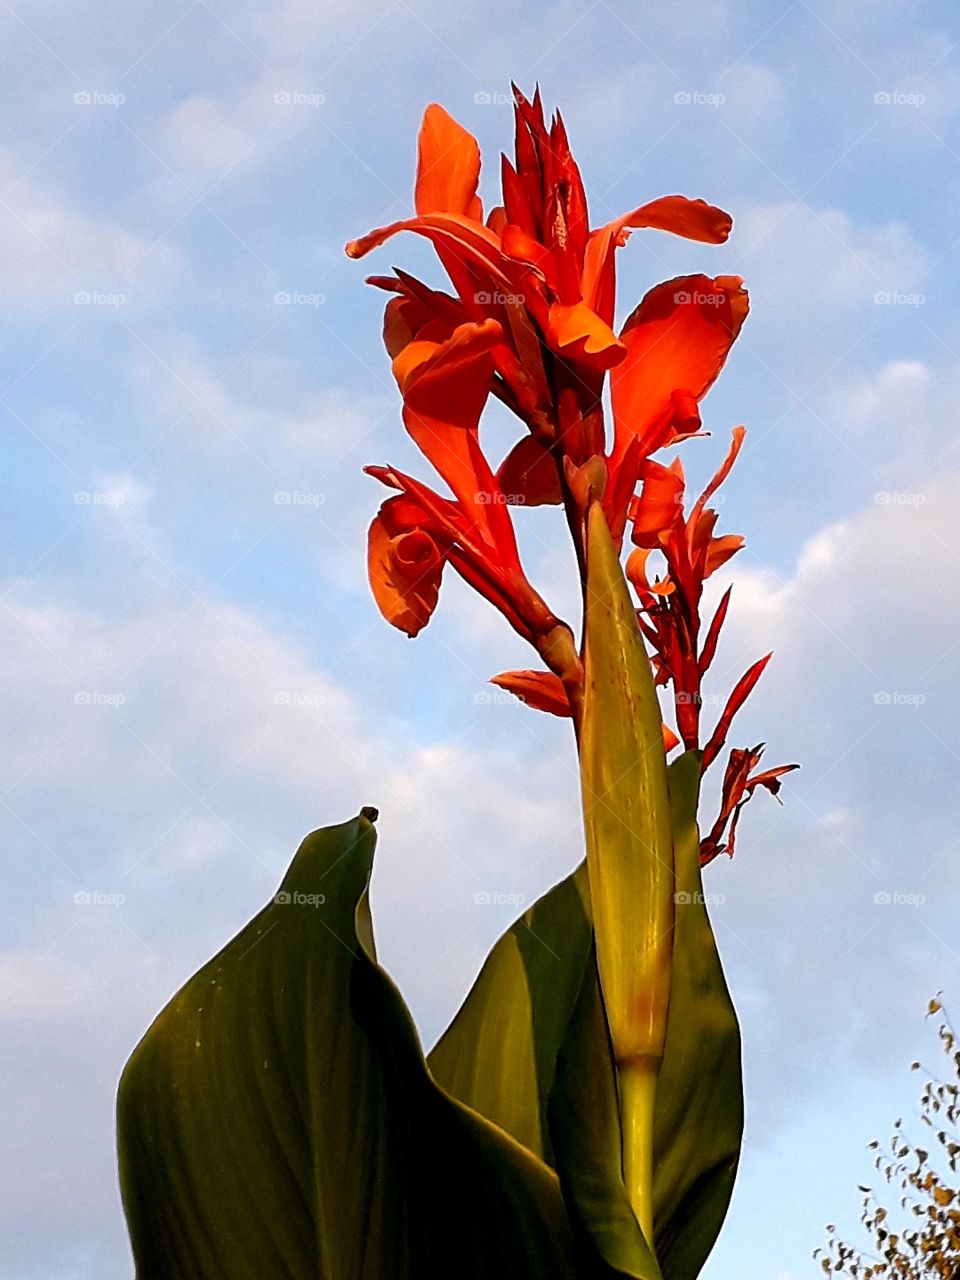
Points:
x=277, y=1121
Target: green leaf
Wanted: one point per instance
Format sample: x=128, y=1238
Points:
x=524, y=1047
x=277, y=1121
x=699, y=1114
x=499, y=1054
x=530, y=1050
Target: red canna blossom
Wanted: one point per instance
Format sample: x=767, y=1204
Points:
x=670, y=605
x=529, y=319
x=739, y=784
x=536, y=268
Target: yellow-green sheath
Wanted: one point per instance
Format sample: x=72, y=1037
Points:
x=629, y=848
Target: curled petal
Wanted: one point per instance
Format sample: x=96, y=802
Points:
x=692, y=219
x=660, y=504
x=405, y=567
x=541, y=690
x=719, y=551
x=677, y=341
x=578, y=333
x=448, y=166
x=458, y=239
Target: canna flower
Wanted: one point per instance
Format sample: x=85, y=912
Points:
x=529, y=319
x=536, y=268
x=739, y=784
x=670, y=605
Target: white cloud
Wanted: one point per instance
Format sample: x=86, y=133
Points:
x=51, y=253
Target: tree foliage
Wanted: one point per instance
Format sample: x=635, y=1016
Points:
x=914, y=1235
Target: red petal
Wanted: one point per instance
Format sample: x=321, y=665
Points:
x=738, y=434
x=448, y=166
x=660, y=505
x=541, y=690
x=578, y=333
x=404, y=570
x=677, y=341
x=741, y=691
x=709, y=649
x=528, y=475
x=693, y=219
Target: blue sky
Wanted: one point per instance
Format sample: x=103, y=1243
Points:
x=194, y=674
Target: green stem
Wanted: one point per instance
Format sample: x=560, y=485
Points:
x=637, y=1081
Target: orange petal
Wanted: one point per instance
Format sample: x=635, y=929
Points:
x=448, y=166
x=720, y=550
x=670, y=739
x=541, y=690
x=528, y=475
x=521, y=247
x=741, y=691
x=578, y=333
x=692, y=219
x=404, y=570
x=458, y=236
x=737, y=437
x=660, y=505
x=677, y=341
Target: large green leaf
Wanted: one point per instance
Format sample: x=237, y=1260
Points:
x=699, y=1114
x=522, y=1048
x=530, y=1050
x=277, y=1121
